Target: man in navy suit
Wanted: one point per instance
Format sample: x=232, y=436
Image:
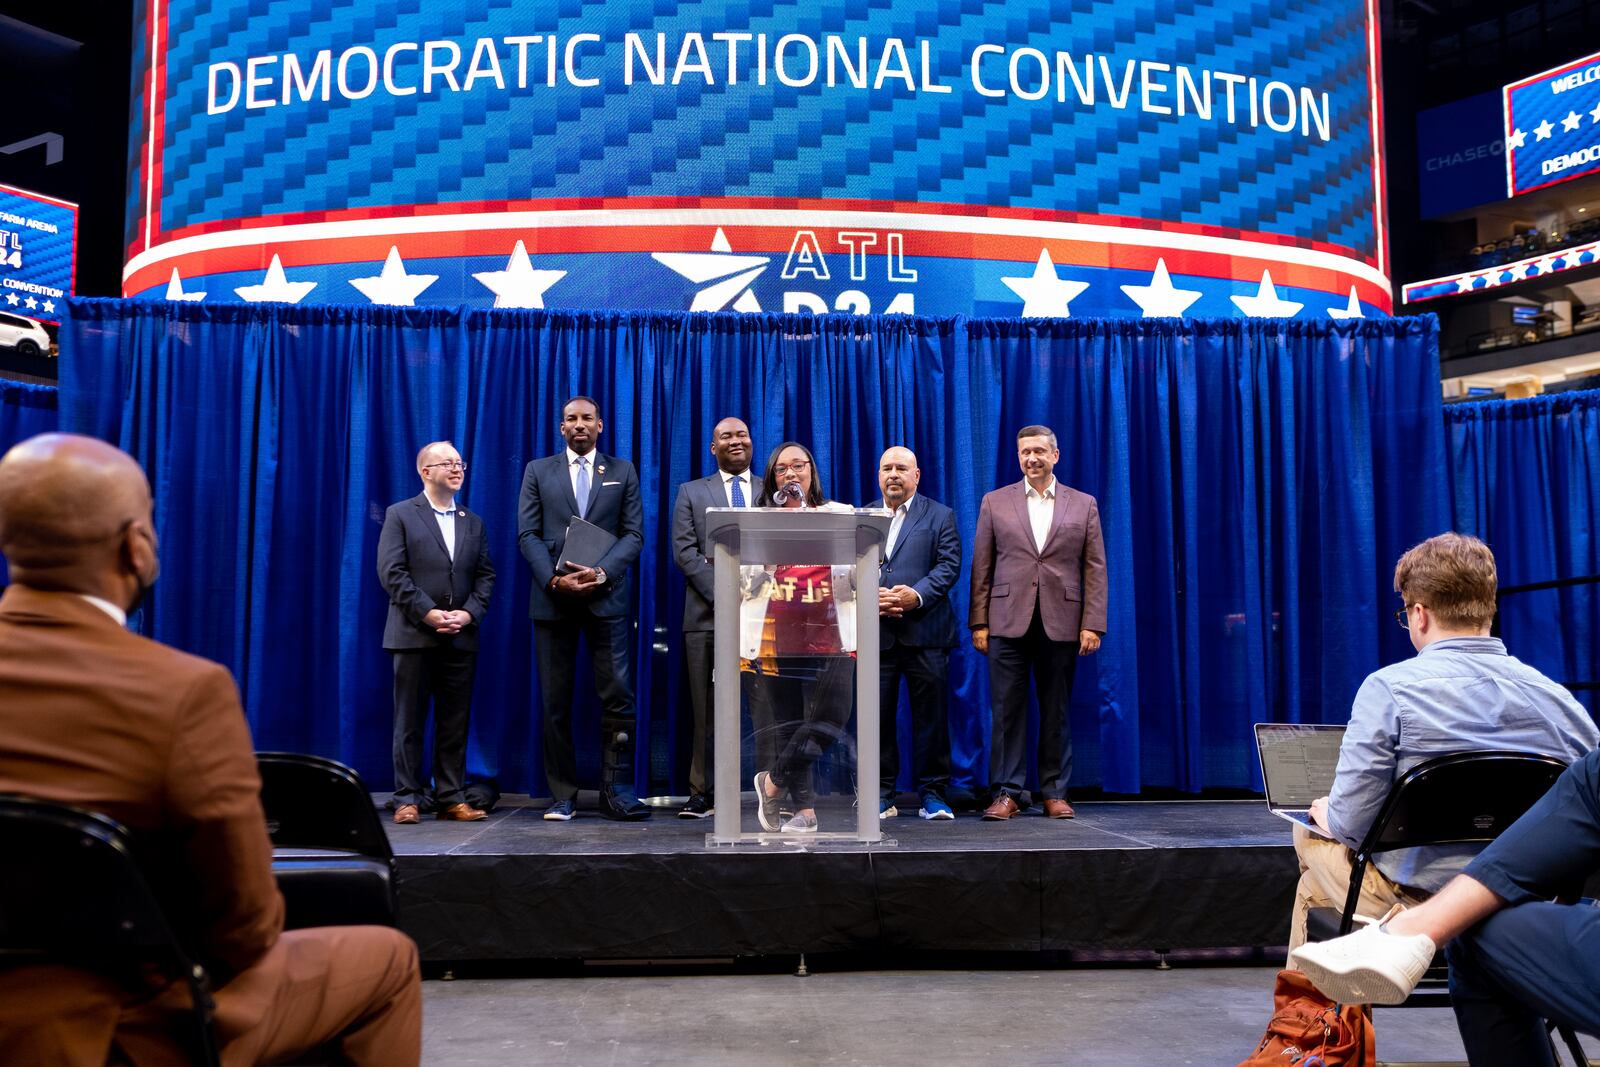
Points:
x=433, y=561
x=917, y=629
x=731, y=486
x=570, y=600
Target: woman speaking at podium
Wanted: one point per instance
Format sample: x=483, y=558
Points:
x=797, y=641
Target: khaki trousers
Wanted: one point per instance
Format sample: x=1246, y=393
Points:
x=1325, y=867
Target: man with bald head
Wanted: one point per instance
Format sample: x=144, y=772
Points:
x=916, y=631
x=97, y=717
x=729, y=487
x=433, y=561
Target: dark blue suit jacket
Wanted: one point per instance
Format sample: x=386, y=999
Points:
x=419, y=574
x=927, y=557
x=545, y=506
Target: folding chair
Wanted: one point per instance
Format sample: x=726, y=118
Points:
x=73, y=893
x=331, y=856
x=1463, y=798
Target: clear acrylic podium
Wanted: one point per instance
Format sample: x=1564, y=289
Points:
x=750, y=547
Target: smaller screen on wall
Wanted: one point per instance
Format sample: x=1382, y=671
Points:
x=38, y=253
x=1552, y=126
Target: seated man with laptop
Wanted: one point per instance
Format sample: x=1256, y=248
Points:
x=1462, y=692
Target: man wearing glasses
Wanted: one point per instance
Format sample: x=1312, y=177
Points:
x=433, y=561
x=1460, y=693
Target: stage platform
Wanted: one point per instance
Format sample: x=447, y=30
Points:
x=1121, y=877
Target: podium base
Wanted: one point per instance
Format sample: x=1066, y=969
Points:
x=817, y=842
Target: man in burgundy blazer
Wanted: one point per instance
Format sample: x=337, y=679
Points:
x=97, y=717
x=1038, y=603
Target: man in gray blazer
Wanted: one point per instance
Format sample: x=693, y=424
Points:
x=917, y=630
x=1038, y=603
x=731, y=486
x=433, y=561
x=592, y=602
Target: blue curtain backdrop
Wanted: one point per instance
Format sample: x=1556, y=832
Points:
x=1256, y=479
x=25, y=409
x=1526, y=479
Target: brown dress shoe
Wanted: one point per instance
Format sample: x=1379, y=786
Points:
x=1058, y=809
x=1003, y=808
x=463, y=812
x=406, y=814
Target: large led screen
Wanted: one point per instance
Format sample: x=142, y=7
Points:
x=1032, y=157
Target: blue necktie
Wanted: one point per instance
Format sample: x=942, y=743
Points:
x=737, y=493
x=583, y=486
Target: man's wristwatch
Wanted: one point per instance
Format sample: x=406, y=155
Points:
x=600, y=574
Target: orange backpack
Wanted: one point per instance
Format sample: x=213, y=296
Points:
x=1309, y=1030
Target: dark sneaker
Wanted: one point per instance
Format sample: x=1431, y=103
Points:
x=699, y=807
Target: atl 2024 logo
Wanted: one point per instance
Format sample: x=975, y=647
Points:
x=725, y=277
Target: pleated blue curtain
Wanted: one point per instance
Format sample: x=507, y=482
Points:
x=1526, y=479
x=1253, y=498
x=1256, y=481
x=26, y=409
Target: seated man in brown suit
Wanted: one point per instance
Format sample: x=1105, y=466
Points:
x=97, y=717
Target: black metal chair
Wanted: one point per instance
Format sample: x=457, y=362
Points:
x=1463, y=798
x=72, y=893
x=331, y=856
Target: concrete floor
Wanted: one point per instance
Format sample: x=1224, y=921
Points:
x=1114, y=1017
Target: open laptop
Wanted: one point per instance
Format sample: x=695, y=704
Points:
x=1297, y=765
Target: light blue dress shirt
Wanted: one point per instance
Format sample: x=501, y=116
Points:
x=447, y=525
x=1456, y=695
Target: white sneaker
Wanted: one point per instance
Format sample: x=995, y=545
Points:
x=1369, y=966
x=801, y=824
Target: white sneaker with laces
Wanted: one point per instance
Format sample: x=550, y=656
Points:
x=1369, y=966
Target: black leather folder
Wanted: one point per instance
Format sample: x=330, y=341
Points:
x=586, y=545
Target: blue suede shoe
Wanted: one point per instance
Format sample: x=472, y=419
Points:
x=560, y=811
x=935, y=808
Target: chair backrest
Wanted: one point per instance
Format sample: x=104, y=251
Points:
x=1461, y=798
x=317, y=803
x=73, y=893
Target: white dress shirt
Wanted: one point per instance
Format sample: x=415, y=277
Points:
x=1041, y=513
x=447, y=525
x=744, y=486
x=895, y=525
x=108, y=607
